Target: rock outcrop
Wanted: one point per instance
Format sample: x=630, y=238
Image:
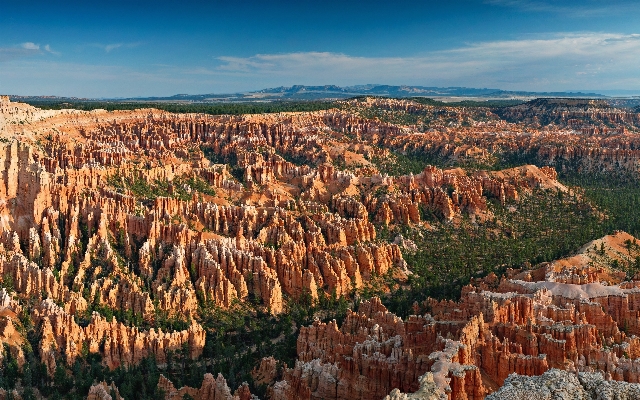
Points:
x=528, y=324
x=558, y=384
x=102, y=391
x=121, y=345
x=211, y=389
x=374, y=352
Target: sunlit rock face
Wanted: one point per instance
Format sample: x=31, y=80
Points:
x=574, y=315
x=154, y=214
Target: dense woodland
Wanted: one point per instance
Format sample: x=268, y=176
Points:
x=239, y=108
x=544, y=227
x=202, y=108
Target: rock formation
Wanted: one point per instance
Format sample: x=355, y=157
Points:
x=114, y=225
x=211, y=389
x=102, y=391
x=535, y=320
x=556, y=384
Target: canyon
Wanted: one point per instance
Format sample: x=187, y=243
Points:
x=122, y=231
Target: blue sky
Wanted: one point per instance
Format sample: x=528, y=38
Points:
x=139, y=48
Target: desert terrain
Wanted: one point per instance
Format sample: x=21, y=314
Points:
x=376, y=249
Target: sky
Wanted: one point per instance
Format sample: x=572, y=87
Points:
x=107, y=49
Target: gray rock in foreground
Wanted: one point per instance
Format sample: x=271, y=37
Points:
x=562, y=385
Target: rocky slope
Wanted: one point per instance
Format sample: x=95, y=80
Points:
x=120, y=230
x=573, y=314
x=569, y=134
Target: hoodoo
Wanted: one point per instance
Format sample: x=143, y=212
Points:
x=309, y=255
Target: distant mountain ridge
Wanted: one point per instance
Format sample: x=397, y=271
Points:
x=333, y=92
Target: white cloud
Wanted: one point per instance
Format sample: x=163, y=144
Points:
x=114, y=46
x=560, y=61
x=47, y=77
x=23, y=50
x=584, y=8
x=49, y=50
x=30, y=46
x=110, y=47
x=557, y=62
x=12, y=53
